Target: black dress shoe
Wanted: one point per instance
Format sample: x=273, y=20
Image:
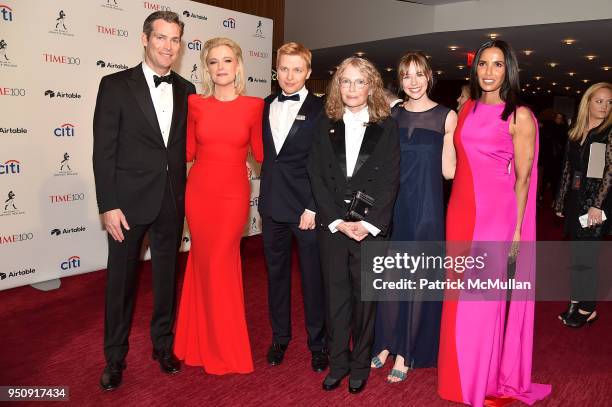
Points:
x=168, y=363
x=112, y=375
x=331, y=383
x=577, y=320
x=319, y=360
x=356, y=385
x=571, y=309
x=276, y=353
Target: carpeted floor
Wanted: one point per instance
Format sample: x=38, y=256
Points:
x=55, y=338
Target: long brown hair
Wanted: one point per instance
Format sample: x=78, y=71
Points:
x=419, y=59
x=378, y=108
x=581, y=126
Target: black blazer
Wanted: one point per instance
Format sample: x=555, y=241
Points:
x=284, y=190
x=130, y=161
x=376, y=172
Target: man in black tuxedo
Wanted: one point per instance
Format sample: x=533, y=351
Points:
x=139, y=167
x=286, y=204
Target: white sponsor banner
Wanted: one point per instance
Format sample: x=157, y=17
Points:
x=49, y=222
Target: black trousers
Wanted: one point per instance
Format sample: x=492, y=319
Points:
x=277, y=238
x=164, y=238
x=347, y=316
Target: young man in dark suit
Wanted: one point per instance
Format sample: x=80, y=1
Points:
x=286, y=204
x=139, y=167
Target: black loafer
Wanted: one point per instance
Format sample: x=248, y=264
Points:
x=356, y=385
x=331, y=383
x=112, y=375
x=319, y=360
x=168, y=363
x=276, y=353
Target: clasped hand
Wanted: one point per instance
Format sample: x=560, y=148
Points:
x=354, y=230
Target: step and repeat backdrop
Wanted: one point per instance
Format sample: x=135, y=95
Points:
x=52, y=56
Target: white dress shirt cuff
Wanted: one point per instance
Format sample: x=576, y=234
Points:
x=332, y=226
x=371, y=228
x=309, y=211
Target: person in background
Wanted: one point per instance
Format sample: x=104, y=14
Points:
x=464, y=96
x=579, y=195
x=356, y=148
x=286, y=204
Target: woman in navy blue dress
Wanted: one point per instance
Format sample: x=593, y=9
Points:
x=410, y=330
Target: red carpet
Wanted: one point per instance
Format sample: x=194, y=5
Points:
x=55, y=338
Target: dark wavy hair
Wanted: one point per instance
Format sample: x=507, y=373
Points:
x=511, y=88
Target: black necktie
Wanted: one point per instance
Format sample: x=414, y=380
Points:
x=159, y=79
x=282, y=97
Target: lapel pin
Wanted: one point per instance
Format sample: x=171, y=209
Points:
x=300, y=117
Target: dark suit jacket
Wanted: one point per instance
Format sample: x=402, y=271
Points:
x=130, y=161
x=376, y=172
x=285, y=188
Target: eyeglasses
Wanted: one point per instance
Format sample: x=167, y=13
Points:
x=346, y=83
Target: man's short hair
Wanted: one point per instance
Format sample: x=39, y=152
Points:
x=294, y=48
x=167, y=16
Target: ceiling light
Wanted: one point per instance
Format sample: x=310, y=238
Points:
x=428, y=56
x=360, y=53
x=493, y=36
x=567, y=88
x=388, y=69
x=528, y=52
x=439, y=72
x=569, y=41
x=453, y=47
x=466, y=78
x=538, y=88
x=537, y=78
x=330, y=72
x=460, y=66
x=552, y=64
x=523, y=90
x=528, y=85
x=548, y=91
x=590, y=57
x=577, y=91
x=571, y=73
x=585, y=80
x=533, y=91
x=606, y=68
x=554, y=83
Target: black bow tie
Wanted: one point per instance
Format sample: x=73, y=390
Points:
x=282, y=97
x=159, y=79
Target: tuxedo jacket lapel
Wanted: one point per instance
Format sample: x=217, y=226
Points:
x=304, y=111
x=267, y=129
x=370, y=139
x=140, y=89
x=178, y=93
x=336, y=138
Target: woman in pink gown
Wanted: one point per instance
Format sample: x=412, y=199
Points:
x=485, y=350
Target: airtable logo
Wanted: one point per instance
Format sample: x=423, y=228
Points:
x=110, y=65
x=65, y=130
x=190, y=14
x=62, y=95
x=6, y=12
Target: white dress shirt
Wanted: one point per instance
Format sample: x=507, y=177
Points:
x=163, y=101
x=354, y=130
x=282, y=116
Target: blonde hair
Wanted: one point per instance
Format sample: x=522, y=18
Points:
x=208, y=86
x=580, y=128
x=294, y=48
x=378, y=108
x=420, y=61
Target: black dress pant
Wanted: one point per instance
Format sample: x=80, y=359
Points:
x=123, y=257
x=277, y=238
x=348, y=318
